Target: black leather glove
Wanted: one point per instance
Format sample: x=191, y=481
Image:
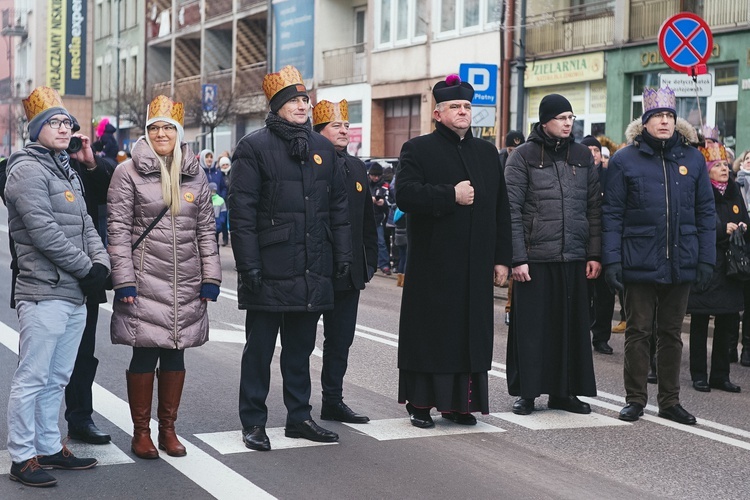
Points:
x=613, y=278
x=342, y=270
x=93, y=282
x=251, y=279
x=703, y=275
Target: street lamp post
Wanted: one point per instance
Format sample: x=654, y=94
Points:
x=10, y=30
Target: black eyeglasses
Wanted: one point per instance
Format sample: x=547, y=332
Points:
x=154, y=129
x=54, y=123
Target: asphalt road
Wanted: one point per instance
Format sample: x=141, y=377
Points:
x=550, y=454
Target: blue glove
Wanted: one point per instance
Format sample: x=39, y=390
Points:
x=703, y=275
x=209, y=291
x=127, y=291
x=613, y=278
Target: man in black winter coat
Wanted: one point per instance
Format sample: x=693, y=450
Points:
x=554, y=194
x=331, y=120
x=291, y=236
x=451, y=188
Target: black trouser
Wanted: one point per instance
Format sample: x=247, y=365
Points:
x=298, y=331
x=645, y=302
x=78, y=400
x=338, y=330
x=604, y=306
x=724, y=325
x=144, y=360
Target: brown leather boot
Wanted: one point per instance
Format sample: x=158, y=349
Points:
x=170, y=391
x=140, y=393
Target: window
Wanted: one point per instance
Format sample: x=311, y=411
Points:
x=400, y=22
x=355, y=112
x=457, y=15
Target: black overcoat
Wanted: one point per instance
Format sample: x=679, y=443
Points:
x=362, y=220
x=722, y=295
x=446, y=323
x=289, y=218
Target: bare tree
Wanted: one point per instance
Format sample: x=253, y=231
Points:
x=133, y=104
x=226, y=105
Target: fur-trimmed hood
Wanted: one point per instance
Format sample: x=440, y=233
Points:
x=682, y=126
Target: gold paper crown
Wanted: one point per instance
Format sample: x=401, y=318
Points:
x=661, y=98
x=714, y=152
x=42, y=98
x=164, y=107
x=327, y=111
x=710, y=132
x=288, y=76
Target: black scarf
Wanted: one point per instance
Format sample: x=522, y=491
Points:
x=296, y=136
x=659, y=145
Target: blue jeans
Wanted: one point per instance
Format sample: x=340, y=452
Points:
x=384, y=260
x=51, y=331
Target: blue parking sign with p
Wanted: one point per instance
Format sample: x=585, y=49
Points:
x=209, y=91
x=483, y=77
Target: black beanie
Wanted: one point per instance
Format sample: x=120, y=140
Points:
x=282, y=96
x=590, y=140
x=513, y=139
x=551, y=106
x=375, y=169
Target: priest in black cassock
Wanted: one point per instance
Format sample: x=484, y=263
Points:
x=451, y=187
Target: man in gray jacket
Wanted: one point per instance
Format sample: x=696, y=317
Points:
x=61, y=259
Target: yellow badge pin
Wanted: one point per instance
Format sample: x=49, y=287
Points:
x=69, y=196
x=683, y=170
x=189, y=197
x=317, y=159
x=358, y=186
x=736, y=209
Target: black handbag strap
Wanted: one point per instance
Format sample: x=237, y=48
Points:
x=149, y=228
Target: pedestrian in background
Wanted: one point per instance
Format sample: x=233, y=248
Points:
x=659, y=239
x=513, y=139
x=381, y=207
x=162, y=281
x=290, y=237
x=451, y=188
x=331, y=120
x=60, y=260
x=722, y=297
x=553, y=187
x=742, y=167
x=225, y=165
x=220, y=209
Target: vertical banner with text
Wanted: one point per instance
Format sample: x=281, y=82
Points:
x=293, y=38
x=66, y=46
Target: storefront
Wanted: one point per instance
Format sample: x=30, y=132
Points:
x=722, y=102
x=580, y=78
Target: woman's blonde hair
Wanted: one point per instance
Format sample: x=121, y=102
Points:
x=171, y=176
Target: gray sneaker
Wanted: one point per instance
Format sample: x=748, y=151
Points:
x=30, y=473
x=64, y=459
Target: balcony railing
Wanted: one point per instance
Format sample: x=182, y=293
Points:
x=647, y=16
x=162, y=88
x=249, y=4
x=250, y=78
x=575, y=28
x=726, y=13
x=345, y=65
x=217, y=8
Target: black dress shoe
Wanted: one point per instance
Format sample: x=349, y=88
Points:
x=677, y=414
x=631, y=412
x=571, y=404
x=420, y=417
x=523, y=406
x=340, y=412
x=255, y=438
x=310, y=430
x=725, y=385
x=701, y=386
x=460, y=418
x=603, y=348
x=88, y=433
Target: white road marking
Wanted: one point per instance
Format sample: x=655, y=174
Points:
x=229, y=442
x=210, y=474
x=401, y=428
x=558, y=419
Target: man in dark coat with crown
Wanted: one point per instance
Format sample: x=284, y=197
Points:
x=450, y=186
